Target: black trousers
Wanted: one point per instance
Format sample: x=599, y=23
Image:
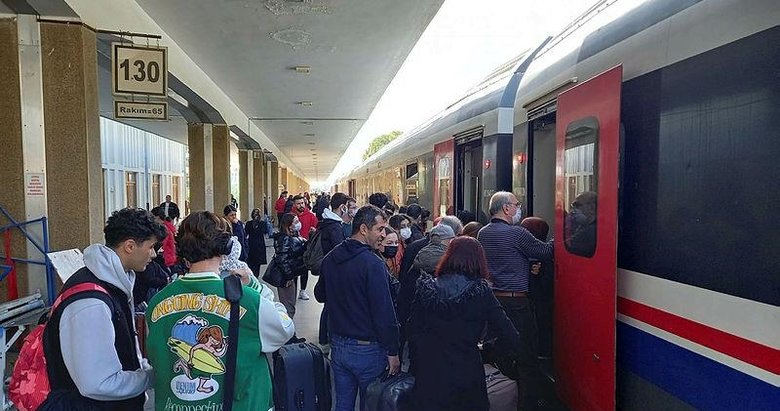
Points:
x=304, y=279
x=525, y=363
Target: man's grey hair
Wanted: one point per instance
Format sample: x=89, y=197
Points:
x=453, y=222
x=498, y=201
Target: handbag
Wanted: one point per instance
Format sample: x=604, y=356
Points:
x=273, y=275
x=391, y=393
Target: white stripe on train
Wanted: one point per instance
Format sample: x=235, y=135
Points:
x=745, y=318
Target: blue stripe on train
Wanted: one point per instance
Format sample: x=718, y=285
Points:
x=693, y=378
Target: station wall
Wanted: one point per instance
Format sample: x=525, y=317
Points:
x=140, y=168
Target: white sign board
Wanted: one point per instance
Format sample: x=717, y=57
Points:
x=34, y=184
x=141, y=111
x=139, y=70
x=67, y=262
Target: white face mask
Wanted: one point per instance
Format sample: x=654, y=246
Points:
x=297, y=226
x=406, y=233
x=518, y=216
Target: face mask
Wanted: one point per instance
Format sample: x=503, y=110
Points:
x=297, y=226
x=518, y=216
x=406, y=233
x=390, y=251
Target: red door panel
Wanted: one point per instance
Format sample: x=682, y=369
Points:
x=443, y=181
x=587, y=135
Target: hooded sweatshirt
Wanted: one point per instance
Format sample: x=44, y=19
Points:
x=358, y=295
x=330, y=230
x=87, y=336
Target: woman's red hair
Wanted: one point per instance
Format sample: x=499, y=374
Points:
x=464, y=256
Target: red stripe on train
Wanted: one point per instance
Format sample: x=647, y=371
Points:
x=748, y=351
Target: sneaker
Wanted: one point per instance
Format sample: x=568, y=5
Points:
x=303, y=295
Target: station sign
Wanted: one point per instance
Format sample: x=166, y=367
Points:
x=141, y=110
x=139, y=69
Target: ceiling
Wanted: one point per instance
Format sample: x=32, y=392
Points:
x=249, y=48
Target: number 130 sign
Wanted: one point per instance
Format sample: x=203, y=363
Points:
x=139, y=70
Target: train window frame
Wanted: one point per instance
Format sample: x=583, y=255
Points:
x=581, y=239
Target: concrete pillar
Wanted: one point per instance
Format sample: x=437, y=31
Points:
x=221, y=136
x=209, y=147
x=252, y=181
x=258, y=180
x=273, y=179
x=74, y=168
x=283, y=179
x=12, y=168
x=245, y=172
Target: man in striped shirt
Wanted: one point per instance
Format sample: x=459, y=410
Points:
x=508, y=248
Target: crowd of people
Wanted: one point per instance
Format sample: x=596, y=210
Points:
x=437, y=299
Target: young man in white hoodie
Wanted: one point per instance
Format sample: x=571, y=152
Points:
x=90, y=342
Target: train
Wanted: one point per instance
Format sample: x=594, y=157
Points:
x=667, y=112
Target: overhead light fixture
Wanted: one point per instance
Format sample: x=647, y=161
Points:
x=302, y=69
x=306, y=103
x=309, y=135
x=307, y=123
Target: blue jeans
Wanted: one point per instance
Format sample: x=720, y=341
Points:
x=355, y=365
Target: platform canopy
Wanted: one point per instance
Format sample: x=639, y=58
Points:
x=299, y=77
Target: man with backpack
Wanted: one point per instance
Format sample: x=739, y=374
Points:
x=328, y=236
x=92, y=353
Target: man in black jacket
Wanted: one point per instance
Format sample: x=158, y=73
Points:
x=170, y=209
x=362, y=321
x=331, y=235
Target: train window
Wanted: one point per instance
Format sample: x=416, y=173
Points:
x=581, y=191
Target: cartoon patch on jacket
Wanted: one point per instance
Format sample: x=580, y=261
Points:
x=200, y=347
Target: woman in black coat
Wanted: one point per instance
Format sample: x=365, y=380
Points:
x=448, y=316
x=256, y=229
x=289, y=247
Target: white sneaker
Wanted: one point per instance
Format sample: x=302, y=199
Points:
x=303, y=295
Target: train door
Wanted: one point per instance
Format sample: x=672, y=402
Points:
x=468, y=172
x=443, y=164
x=588, y=139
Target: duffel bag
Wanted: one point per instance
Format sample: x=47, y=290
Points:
x=390, y=393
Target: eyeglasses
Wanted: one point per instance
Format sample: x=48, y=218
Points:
x=514, y=204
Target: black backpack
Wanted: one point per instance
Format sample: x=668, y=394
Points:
x=313, y=255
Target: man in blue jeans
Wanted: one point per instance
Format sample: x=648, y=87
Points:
x=362, y=322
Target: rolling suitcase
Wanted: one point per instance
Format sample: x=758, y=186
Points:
x=502, y=392
x=390, y=393
x=301, y=378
